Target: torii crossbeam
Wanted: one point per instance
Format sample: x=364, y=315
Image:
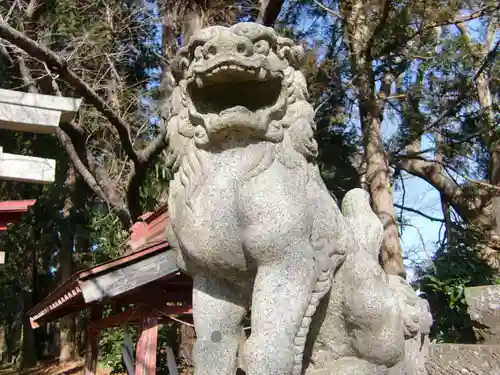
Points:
x=34, y=113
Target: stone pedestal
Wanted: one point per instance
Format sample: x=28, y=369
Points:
x=484, y=309
x=457, y=359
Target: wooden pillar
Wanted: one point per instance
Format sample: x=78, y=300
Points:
x=145, y=357
x=92, y=342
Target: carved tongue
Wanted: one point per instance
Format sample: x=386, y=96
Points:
x=238, y=108
x=262, y=74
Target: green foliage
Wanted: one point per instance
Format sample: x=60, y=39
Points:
x=107, y=235
x=454, y=267
x=154, y=190
x=167, y=337
x=110, y=348
x=111, y=344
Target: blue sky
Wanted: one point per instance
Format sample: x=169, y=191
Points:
x=419, y=239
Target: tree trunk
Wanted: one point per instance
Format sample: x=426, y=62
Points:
x=13, y=331
x=269, y=11
x=378, y=179
x=67, y=327
x=28, y=349
x=2, y=343
x=360, y=34
x=445, y=206
x=491, y=137
x=28, y=352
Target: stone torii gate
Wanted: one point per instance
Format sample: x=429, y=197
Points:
x=33, y=113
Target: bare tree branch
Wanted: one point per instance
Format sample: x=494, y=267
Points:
x=90, y=171
x=269, y=11
x=148, y=154
x=60, y=66
x=154, y=147
x=474, y=15
x=409, y=209
x=378, y=29
x=467, y=206
x=113, y=201
x=421, y=237
x=328, y=10
x=5, y=54
x=71, y=137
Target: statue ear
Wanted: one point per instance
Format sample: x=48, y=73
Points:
x=293, y=53
x=356, y=208
x=180, y=64
x=298, y=55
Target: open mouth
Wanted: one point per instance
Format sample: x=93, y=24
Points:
x=232, y=87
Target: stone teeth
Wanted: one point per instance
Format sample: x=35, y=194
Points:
x=199, y=82
x=216, y=70
x=262, y=74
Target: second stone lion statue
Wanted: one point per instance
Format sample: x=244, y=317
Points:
x=255, y=226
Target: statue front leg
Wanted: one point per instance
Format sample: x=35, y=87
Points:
x=218, y=311
x=281, y=295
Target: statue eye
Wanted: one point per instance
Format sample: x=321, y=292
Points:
x=261, y=47
x=198, y=52
x=195, y=48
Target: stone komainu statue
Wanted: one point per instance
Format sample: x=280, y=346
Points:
x=255, y=226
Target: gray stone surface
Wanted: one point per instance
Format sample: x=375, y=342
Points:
x=484, y=309
x=254, y=224
x=417, y=323
x=460, y=359
x=372, y=323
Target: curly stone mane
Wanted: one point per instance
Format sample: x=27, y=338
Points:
x=241, y=146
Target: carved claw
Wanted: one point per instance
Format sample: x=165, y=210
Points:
x=328, y=256
x=337, y=258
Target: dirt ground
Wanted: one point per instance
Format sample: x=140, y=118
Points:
x=52, y=368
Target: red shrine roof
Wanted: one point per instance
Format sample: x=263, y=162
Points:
x=16, y=206
x=11, y=211
x=149, y=229
x=146, y=273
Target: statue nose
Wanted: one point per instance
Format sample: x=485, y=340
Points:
x=221, y=45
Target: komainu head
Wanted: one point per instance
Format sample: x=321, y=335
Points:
x=238, y=80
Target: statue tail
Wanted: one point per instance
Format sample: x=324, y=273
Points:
x=323, y=285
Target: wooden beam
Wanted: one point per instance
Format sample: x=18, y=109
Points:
x=154, y=294
x=92, y=342
x=145, y=358
x=57, y=314
x=9, y=218
x=135, y=315
x=57, y=302
x=66, y=106
x=172, y=310
x=26, y=168
x=134, y=275
x=129, y=317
